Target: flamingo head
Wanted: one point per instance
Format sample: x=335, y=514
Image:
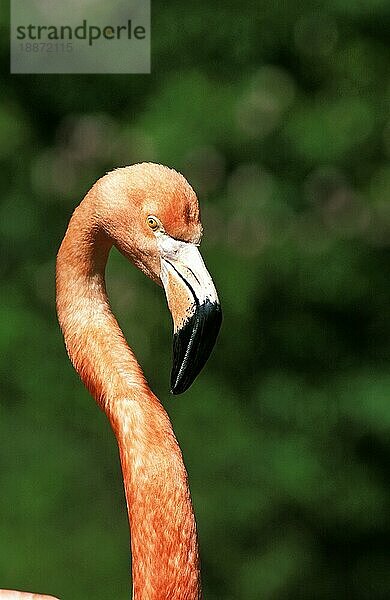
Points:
x=151, y=214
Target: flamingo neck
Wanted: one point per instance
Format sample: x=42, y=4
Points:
x=163, y=532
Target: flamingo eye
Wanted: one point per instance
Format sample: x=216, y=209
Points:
x=153, y=223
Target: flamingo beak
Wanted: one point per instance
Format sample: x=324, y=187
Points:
x=195, y=308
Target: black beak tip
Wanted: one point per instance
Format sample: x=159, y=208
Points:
x=180, y=385
x=176, y=389
x=192, y=345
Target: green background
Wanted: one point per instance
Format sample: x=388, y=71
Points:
x=277, y=113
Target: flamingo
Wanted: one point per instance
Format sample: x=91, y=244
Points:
x=151, y=214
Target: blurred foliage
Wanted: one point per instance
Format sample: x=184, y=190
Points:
x=277, y=113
